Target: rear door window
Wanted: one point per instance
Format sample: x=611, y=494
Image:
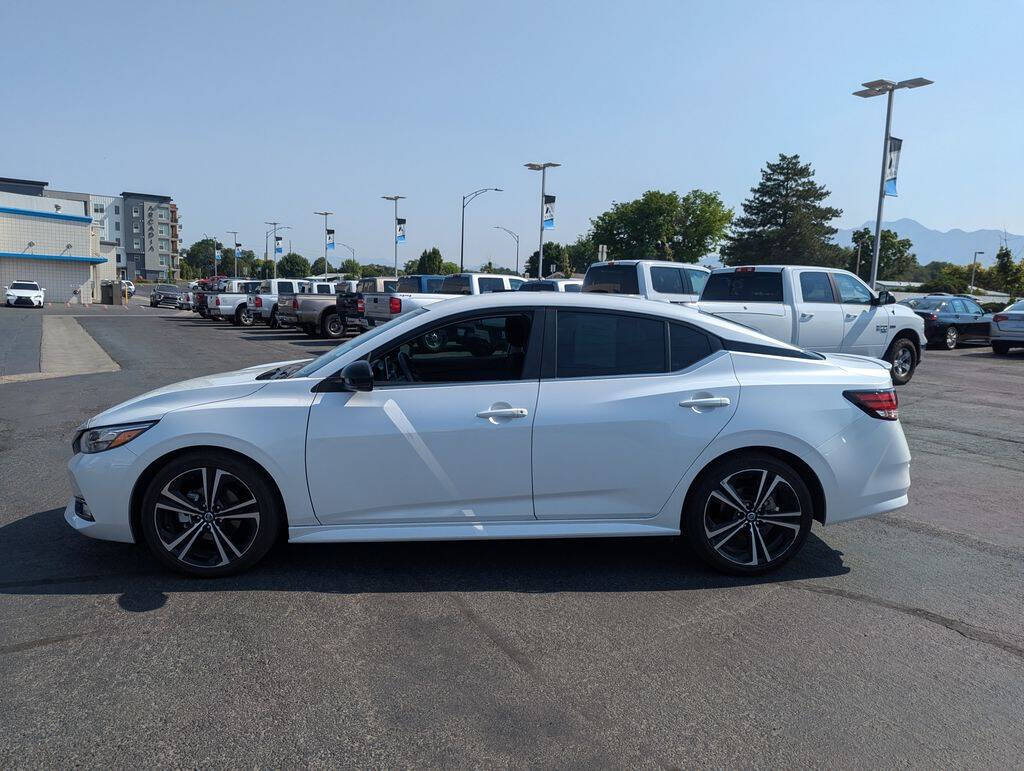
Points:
x=688, y=346
x=611, y=279
x=973, y=307
x=752, y=287
x=815, y=287
x=598, y=344
x=958, y=306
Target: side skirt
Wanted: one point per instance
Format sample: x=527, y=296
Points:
x=458, y=531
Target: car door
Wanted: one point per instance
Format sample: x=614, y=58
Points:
x=977, y=320
x=445, y=434
x=627, y=403
x=865, y=326
x=819, y=317
x=668, y=284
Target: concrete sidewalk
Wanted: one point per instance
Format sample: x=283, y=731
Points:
x=65, y=349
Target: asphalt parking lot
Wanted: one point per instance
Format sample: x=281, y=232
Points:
x=894, y=640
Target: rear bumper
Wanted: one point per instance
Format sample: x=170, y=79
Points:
x=1006, y=335
x=870, y=460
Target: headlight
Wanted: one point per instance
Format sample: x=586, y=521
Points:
x=108, y=437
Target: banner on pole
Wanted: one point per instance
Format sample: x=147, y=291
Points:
x=330, y=238
x=278, y=246
x=399, y=230
x=238, y=249
x=549, y=212
x=892, y=164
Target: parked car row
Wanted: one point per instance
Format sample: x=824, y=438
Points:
x=952, y=320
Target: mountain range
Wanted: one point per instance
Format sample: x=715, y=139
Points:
x=949, y=245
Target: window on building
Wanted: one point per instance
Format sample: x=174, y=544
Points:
x=117, y=209
x=98, y=208
x=137, y=243
x=164, y=245
x=135, y=227
x=117, y=225
x=164, y=230
x=120, y=259
x=118, y=240
x=161, y=214
x=135, y=211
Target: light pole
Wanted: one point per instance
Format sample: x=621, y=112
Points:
x=543, y=169
x=396, y=199
x=465, y=200
x=214, y=239
x=516, y=237
x=277, y=226
x=877, y=88
x=324, y=214
x=236, y=245
x=974, y=267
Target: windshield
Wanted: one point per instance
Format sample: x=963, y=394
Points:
x=24, y=285
x=611, y=279
x=1016, y=306
x=348, y=345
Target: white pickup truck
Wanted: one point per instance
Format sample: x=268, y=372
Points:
x=673, y=282
x=384, y=306
x=263, y=300
x=822, y=309
x=230, y=302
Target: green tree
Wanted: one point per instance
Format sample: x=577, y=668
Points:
x=430, y=261
x=448, y=268
x=895, y=260
x=1007, y=275
x=317, y=268
x=350, y=266
x=951, y=278
x=552, y=259
x=785, y=221
x=664, y=226
x=199, y=257
x=582, y=253
x=293, y=265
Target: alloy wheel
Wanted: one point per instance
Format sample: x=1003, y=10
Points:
x=903, y=362
x=752, y=517
x=206, y=517
x=952, y=336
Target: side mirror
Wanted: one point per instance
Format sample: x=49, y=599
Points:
x=885, y=298
x=358, y=376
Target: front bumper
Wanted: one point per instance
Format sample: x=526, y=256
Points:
x=105, y=481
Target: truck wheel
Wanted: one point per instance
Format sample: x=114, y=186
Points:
x=331, y=326
x=274, y=323
x=902, y=355
x=243, y=316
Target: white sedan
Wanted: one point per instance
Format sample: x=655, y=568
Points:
x=25, y=293
x=509, y=415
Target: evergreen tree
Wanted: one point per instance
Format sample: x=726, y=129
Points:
x=317, y=268
x=1007, y=275
x=430, y=261
x=785, y=221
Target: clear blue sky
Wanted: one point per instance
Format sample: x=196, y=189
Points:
x=255, y=111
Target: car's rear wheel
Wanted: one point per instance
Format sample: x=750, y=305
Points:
x=902, y=355
x=748, y=514
x=332, y=326
x=243, y=316
x=1001, y=349
x=951, y=339
x=273, y=323
x=210, y=514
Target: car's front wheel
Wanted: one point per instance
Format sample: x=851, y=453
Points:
x=951, y=339
x=748, y=514
x=902, y=355
x=210, y=514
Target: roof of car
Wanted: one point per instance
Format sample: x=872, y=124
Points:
x=714, y=324
x=666, y=263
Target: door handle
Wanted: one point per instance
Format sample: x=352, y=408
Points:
x=706, y=401
x=851, y=316
x=504, y=412
x=806, y=316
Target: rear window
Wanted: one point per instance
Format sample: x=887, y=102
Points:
x=572, y=287
x=753, y=287
x=408, y=284
x=367, y=285
x=390, y=286
x=929, y=305
x=491, y=285
x=456, y=285
x=611, y=279
x=434, y=284
x=537, y=286
x=324, y=289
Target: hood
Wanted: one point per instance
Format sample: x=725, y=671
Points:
x=188, y=393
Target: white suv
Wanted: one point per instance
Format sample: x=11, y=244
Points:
x=672, y=282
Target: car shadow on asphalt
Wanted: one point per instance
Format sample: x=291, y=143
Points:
x=987, y=353
x=40, y=555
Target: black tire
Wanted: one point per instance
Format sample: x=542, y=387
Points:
x=331, y=325
x=902, y=355
x=311, y=330
x=1000, y=349
x=186, y=535
x=769, y=534
x=274, y=323
x=951, y=338
x=243, y=317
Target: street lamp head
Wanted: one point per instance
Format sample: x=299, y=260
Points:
x=539, y=166
x=881, y=84
x=914, y=83
x=867, y=93
x=879, y=87
x=392, y=197
x=497, y=190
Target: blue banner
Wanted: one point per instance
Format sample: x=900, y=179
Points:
x=399, y=231
x=892, y=164
x=278, y=246
x=549, y=212
x=330, y=238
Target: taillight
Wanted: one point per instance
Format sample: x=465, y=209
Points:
x=217, y=301
x=884, y=404
x=745, y=269
x=360, y=306
x=295, y=304
x=258, y=302
x=395, y=306
x=1000, y=317
x=932, y=317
